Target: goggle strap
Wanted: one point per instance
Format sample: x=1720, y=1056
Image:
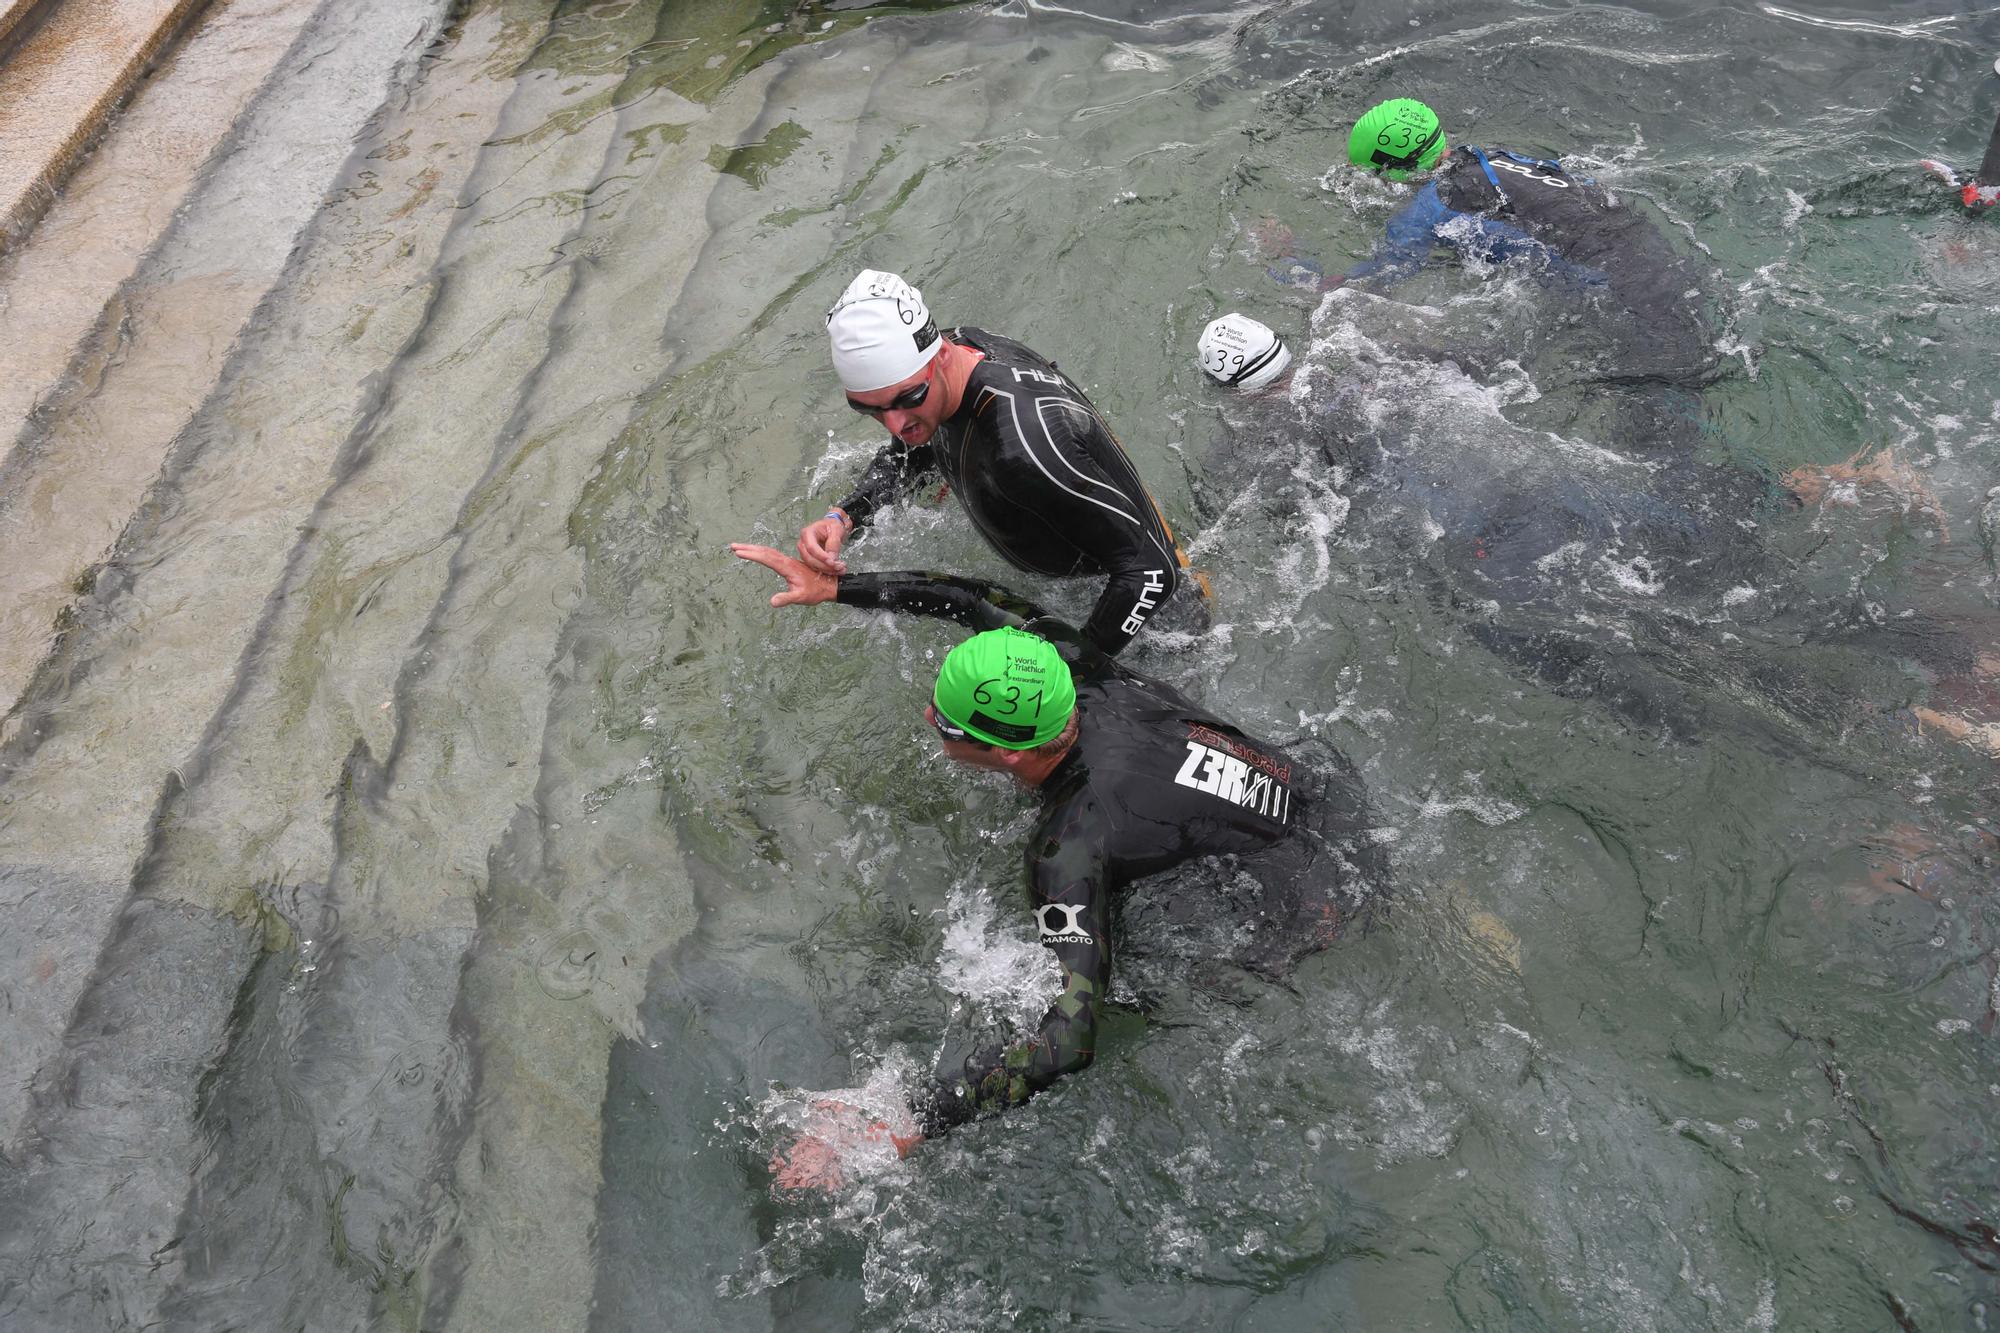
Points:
x=1257, y=363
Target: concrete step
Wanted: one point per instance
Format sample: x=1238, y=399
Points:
x=116, y=313
x=119, y=201
x=61, y=81
x=14, y=16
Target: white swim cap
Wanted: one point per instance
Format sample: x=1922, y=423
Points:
x=1238, y=351
x=881, y=332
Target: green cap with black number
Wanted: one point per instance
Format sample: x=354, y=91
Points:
x=1397, y=137
x=1007, y=687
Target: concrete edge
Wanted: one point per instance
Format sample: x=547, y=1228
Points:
x=86, y=110
x=13, y=15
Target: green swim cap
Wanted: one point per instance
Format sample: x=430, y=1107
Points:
x=1397, y=137
x=1007, y=687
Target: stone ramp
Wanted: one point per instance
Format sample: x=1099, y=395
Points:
x=298, y=743
x=331, y=508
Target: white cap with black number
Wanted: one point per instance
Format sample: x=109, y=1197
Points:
x=1238, y=351
x=881, y=332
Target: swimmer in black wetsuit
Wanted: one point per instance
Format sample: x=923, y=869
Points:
x=1028, y=456
x=1135, y=781
x=1495, y=205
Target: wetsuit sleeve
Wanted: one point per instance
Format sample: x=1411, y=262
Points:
x=895, y=470
x=1108, y=524
x=1408, y=241
x=972, y=602
x=1129, y=600
x=1496, y=242
x=1066, y=867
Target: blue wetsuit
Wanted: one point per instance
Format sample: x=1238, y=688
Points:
x=1473, y=226
x=1495, y=205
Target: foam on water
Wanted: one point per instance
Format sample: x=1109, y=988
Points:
x=1001, y=972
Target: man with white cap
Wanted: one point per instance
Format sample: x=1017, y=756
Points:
x=1029, y=457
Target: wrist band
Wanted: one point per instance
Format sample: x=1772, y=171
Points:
x=845, y=521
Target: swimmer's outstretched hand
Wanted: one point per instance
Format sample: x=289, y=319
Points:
x=837, y=1134
x=803, y=586
x=820, y=542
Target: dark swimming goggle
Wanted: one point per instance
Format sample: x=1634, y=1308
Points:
x=912, y=397
x=1409, y=160
x=951, y=732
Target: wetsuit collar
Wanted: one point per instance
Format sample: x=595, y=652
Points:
x=1070, y=765
x=956, y=350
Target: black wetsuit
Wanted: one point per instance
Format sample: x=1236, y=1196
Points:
x=1044, y=480
x=1495, y=204
x=1153, y=783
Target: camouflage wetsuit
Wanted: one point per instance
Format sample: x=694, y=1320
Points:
x=1153, y=783
x=1044, y=481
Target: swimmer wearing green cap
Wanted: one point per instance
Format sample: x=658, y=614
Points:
x=1135, y=782
x=1495, y=205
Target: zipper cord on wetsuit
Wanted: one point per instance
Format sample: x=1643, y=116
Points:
x=1492, y=176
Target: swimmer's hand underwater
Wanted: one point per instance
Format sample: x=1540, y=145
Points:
x=804, y=586
x=836, y=1133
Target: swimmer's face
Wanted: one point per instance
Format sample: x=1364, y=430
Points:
x=910, y=409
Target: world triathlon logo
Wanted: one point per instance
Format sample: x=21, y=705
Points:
x=1060, y=925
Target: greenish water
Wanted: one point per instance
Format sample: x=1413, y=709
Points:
x=537, y=866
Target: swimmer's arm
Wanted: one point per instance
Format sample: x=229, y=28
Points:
x=1408, y=241
x=889, y=477
x=1128, y=601
x=1004, y=1076
x=1141, y=574
x=971, y=602
x=1139, y=566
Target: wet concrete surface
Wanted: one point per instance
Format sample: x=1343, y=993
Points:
x=69, y=70
x=279, y=531
x=61, y=305
x=84, y=460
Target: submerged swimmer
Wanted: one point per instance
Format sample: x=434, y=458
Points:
x=1134, y=781
x=1029, y=457
x=1549, y=548
x=1654, y=580
x=1495, y=205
